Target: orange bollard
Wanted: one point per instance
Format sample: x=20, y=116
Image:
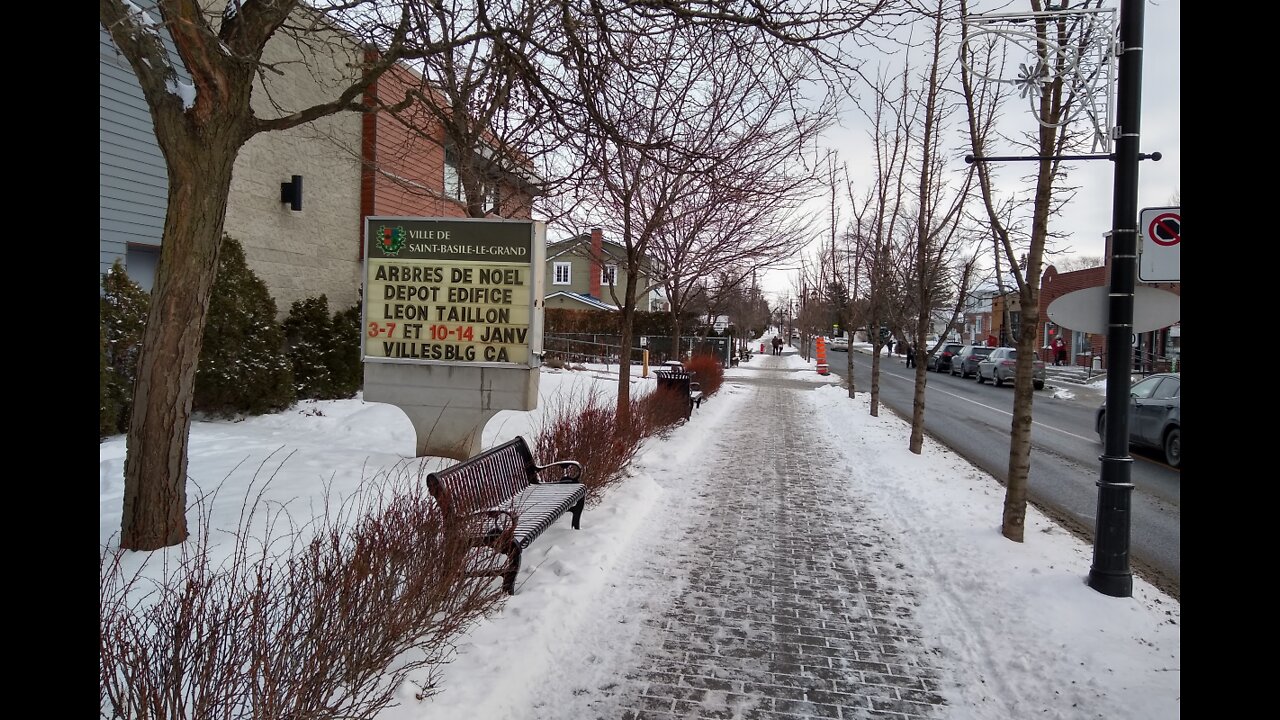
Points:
x=822, y=356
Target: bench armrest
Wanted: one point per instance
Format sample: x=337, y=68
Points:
x=569, y=465
x=486, y=536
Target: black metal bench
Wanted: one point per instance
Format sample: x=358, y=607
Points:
x=682, y=382
x=500, y=499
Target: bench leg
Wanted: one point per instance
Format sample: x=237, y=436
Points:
x=577, y=512
x=513, y=568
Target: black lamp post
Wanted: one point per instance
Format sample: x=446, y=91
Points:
x=1110, y=573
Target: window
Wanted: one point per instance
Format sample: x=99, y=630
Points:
x=1145, y=388
x=453, y=184
x=562, y=274
x=1168, y=389
x=609, y=275
x=140, y=263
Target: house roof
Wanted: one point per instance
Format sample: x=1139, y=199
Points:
x=593, y=303
x=610, y=248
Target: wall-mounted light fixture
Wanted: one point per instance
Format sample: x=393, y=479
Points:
x=291, y=192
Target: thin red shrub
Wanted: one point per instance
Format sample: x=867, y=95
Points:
x=708, y=372
x=585, y=429
x=325, y=619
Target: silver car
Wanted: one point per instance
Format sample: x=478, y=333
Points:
x=965, y=362
x=1002, y=365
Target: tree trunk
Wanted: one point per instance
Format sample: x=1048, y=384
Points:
x=155, y=468
x=624, y=368
x=1015, y=502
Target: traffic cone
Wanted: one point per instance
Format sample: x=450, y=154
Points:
x=822, y=355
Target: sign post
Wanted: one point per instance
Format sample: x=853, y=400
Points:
x=452, y=323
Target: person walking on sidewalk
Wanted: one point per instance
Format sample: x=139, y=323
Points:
x=911, y=355
x=1059, y=351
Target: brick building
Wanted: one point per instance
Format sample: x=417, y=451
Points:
x=353, y=165
x=1153, y=351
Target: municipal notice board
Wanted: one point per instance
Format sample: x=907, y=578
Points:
x=453, y=291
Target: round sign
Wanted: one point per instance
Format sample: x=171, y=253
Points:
x=1165, y=229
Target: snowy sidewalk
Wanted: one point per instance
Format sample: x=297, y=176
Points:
x=773, y=610
x=783, y=556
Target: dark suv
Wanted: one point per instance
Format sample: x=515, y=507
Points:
x=941, y=360
x=965, y=362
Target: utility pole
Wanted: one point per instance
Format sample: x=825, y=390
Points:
x=1110, y=573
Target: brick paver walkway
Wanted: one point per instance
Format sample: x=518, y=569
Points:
x=780, y=615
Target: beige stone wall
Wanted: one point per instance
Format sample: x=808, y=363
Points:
x=315, y=251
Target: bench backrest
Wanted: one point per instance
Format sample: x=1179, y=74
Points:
x=485, y=480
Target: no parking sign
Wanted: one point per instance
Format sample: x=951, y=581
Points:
x=1161, y=242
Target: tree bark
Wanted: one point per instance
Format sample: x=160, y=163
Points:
x=155, y=468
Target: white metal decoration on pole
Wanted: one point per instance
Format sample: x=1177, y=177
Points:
x=1087, y=61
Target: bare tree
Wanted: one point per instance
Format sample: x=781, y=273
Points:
x=1053, y=102
x=674, y=140
x=200, y=127
x=474, y=96
x=939, y=207
x=731, y=231
x=549, y=49
x=1071, y=263
x=877, y=216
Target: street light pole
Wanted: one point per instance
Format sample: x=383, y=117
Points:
x=1110, y=573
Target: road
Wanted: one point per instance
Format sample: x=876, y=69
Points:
x=974, y=421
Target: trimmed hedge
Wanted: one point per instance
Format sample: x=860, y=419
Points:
x=324, y=350
x=244, y=368
x=122, y=317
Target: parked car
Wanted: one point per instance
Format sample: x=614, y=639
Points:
x=841, y=344
x=1002, y=365
x=965, y=362
x=1155, y=417
x=941, y=360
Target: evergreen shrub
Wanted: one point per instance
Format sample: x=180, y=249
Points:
x=346, y=367
x=324, y=349
x=307, y=332
x=243, y=364
x=108, y=410
x=122, y=317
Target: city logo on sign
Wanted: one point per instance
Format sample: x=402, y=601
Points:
x=391, y=239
